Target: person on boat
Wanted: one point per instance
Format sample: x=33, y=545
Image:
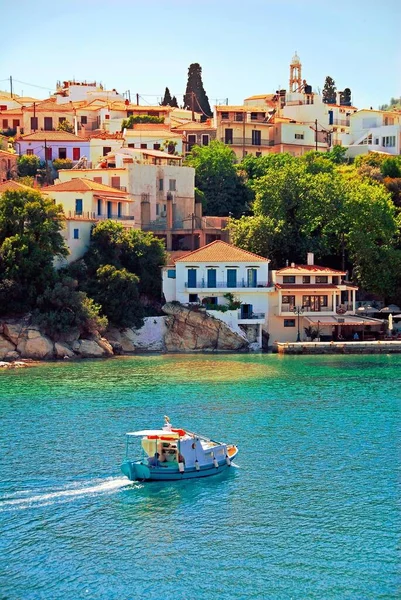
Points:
x=153, y=461
x=356, y=336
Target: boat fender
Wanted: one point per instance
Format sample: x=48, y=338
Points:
x=181, y=467
x=197, y=467
x=216, y=464
x=228, y=461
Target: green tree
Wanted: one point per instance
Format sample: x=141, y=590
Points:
x=28, y=165
x=62, y=308
x=391, y=167
x=174, y=103
x=329, y=91
x=133, y=119
x=167, y=99
x=195, y=96
x=65, y=126
x=345, y=97
x=30, y=239
x=217, y=177
x=116, y=290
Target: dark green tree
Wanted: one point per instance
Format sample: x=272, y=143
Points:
x=167, y=99
x=345, y=97
x=174, y=102
x=195, y=96
x=28, y=165
x=30, y=239
x=329, y=91
x=217, y=177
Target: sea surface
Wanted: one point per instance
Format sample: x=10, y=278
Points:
x=310, y=511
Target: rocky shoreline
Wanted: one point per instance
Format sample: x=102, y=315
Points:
x=183, y=329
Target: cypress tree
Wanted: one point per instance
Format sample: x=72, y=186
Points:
x=167, y=98
x=329, y=91
x=174, y=102
x=195, y=87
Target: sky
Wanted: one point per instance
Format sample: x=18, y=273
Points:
x=244, y=48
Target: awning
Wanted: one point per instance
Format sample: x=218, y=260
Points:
x=113, y=198
x=344, y=321
x=155, y=433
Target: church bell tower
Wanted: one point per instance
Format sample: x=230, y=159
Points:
x=295, y=74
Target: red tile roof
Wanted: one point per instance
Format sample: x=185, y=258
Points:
x=14, y=186
x=51, y=136
x=84, y=185
x=309, y=269
x=219, y=251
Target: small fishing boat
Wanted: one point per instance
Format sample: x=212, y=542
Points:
x=171, y=453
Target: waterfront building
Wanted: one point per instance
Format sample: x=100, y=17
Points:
x=217, y=275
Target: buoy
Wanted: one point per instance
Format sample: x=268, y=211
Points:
x=216, y=464
x=181, y=467
x=197, y=467
x=228, y=461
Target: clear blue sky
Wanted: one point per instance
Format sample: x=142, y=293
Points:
x=244, y=48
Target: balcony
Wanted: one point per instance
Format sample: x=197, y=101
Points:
x=342, y=122
x=254, y=316
x=228, y=285
x=247, y=141
x=85, y=215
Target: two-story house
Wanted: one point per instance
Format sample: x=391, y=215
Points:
x=216, y=275
x=317, y=297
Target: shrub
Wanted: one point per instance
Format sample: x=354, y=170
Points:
x=62, y=163
x=130, y=122
x=28, y=165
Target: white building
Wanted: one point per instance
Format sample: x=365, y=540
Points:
x=206, y=276
x=51, y=145
x=375, y=131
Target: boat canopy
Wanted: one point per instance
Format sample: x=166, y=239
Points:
x=156, y=433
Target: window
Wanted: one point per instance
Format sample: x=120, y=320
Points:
x=193, y=297
x=191, y=141
x=106, y=150
x=84, y=120
x=252, y=277
x=171, y=185
x=289, y=322
x=3, y=107
x=48, y=154
x=29, y=152
x=314, y=303
x=239, y=116
x=224, y=115
x=155, y=146
x=98, y=179
x=61, y=119
x=290, y=300
x=228, y=136
x=256, y=137
x=107, y=116
x=48, y=124
x=171, y=274
x=131, y=145
x=161, y=185
x=144, y=146
x=78, y=206
x=99, y=206
x=306, y=279
x=321, y=279
x=76, y=234
x=157, y=210
x=388, y=141
x=15, y=123
x=76, y=153
x=5, y=123
x=258, y=154
x=289, y=279
x=115, y=182
x=254, y=116
x=376, y=141
x=34, y=123
x=62, y=153
x=299, y=136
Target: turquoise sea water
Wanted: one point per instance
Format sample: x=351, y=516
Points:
x=312, y=511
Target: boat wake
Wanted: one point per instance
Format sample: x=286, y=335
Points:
x=28, y=499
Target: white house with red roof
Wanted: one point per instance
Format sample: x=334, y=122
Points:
x=206, y=276
x=49, y=145
x=313, y=296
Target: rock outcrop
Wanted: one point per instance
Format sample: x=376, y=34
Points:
x=150, y=338
x=191, y=330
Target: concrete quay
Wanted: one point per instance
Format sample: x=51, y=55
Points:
x=357, y=347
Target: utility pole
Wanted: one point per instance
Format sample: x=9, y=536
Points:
x=192, y=105
x=11, y=86
x=34, y=116
x=47, y=165
x=137, y=99
x=316, y=135
x=244, y=114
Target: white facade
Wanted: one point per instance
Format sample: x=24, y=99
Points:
x=72, y=147
x=208, y=280
x=375, y=131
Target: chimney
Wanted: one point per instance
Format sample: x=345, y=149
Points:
x=310, y=258
x=338, y=97
x=292, y=265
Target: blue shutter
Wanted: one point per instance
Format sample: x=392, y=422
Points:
x=192, y=278
x=78, y=206
x=211, y=278
x=232, y=278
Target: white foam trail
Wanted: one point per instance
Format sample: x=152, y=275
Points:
x=102, y=487
x=235, y=465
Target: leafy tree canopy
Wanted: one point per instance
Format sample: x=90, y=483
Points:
x=65, y=126
x=28, y=165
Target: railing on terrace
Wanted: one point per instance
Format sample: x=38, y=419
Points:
x=342, y=308
x=161, y=224
x=254, y=315
x=239, y=141
x=92, y=215
x=343, y=122
x=226, y=284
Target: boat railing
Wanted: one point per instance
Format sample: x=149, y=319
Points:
x=204, y=438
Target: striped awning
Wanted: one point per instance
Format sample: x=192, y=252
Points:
x=343, y=320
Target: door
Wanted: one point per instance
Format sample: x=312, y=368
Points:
x=78, y=206
x=232, y=278
x=119, y=209
x=211, y=278
x=246, y=311
x=192, y=278
x=109, y=210
x=251, y=277
x=48, y=122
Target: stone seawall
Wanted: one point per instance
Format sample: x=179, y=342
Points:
x=377, y=347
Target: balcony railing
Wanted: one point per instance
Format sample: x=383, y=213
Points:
x=255, y=316
x=343, y=122
x=93, y=215
x=240, y=141
x=229, y=285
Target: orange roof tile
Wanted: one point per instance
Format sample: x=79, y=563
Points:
x=8, y=154
x=12, y=185
x=150, y=126
x=51, y=136
x=193, y=125
x=268, y=97
x=219, y=251
x=84, y=185
x=308, y=268
x=241, y=108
